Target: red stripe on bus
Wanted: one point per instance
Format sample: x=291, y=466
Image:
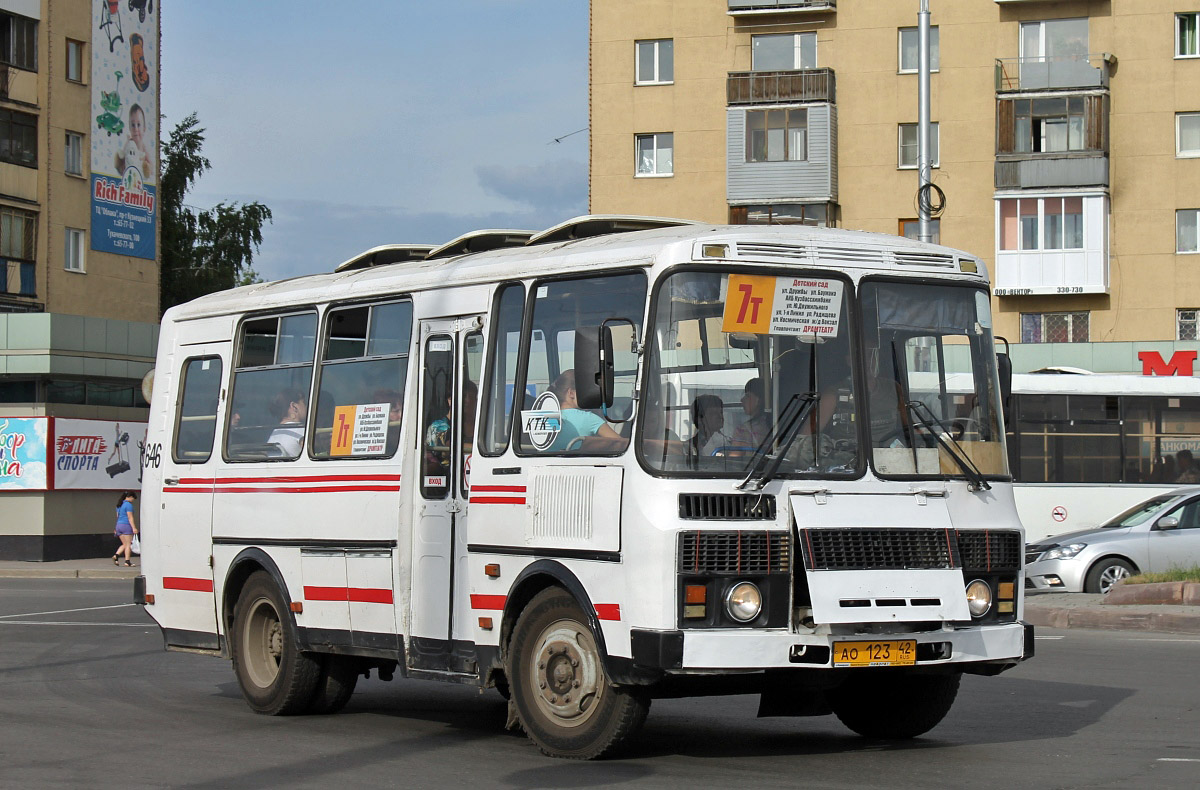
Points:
x=608, y=611
x=291, y=479
x=497, y=500
x=355, y=594
x=184, y=583
x=326, y=593
x=276, y=489
x=488, y=602
x=499, y=489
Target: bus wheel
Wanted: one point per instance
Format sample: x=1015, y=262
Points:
x=276, y=678
x=563, y=696
x=891, y=705
x=339, y=676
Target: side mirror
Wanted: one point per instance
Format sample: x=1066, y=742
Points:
x=594, y=367
x=1167, y=522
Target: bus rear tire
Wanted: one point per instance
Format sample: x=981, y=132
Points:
x=335, y=686
x=276, y=678
x=894, y=706
x=564, y=699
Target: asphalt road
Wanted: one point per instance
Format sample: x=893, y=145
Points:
x=89, y=698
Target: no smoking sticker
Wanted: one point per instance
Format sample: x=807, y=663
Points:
x=1059, y=513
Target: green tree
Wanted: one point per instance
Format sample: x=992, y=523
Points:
x=202, y=250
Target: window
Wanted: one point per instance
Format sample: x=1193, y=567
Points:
x=272, y=376
x=1187, y=44
x=655, y=154
x=1187, y=223
x=783, y=52
x=472, y=369
x=1054, y=40
x=1187, y=134
x=556, y=425
x=361, y=385
x=18, y=138
x=655, y=62
x=1051, y=223
x=73, y=154
x=1187, y=321
x=1054, y=327
x=18, y=41
x=196, y=423
x=910, y=145
x=777, y=135
x=910, y=54
x=508, y=315
x=74, y=60
x=911, y=229
x=1049, y=124
x=437, y=440
x=73, y=255
x=18, y=238
x=814, y=214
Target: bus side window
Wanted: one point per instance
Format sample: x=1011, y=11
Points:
x=472, y=368
x=360, y=384
x=272, y=376
x=501, y=399
x=196, y=422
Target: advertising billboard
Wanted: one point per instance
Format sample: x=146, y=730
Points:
x=98, y=454
x=23, y=454
x=124, y=129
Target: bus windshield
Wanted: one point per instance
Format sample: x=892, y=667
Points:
x=932, y=390
x=732, y=355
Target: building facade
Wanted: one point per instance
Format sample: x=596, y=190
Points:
x=1066, y=141
x=79, y=278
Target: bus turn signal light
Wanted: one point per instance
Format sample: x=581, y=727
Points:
x=694, y=598
x=492, y=569
x=297, y=607
x=485, y=623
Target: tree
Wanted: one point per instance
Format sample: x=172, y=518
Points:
x=202, y=250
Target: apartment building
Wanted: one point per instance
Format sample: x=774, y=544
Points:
x=79, y=283
x=1066, y=140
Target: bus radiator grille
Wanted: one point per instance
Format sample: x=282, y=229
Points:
x=743, y=552
x=727, y=507
x=877, y=549
x=989, y=550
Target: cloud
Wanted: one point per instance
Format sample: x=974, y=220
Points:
x=559, y=185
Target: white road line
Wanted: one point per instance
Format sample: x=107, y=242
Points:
x=67, y=611
x=1179, y=759
x=67, y=622
x=1049, y=637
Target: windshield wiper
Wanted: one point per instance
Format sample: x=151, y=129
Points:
x=784, y=430
x=931, y=423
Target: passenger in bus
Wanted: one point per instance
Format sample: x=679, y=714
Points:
x=1185, y=467
x=752, y=432
x=438, y=434
x=291, y=408
x=708, y=420
x=594, y=435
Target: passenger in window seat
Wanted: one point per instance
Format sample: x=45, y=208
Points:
x=292, y=409
x=598, y=437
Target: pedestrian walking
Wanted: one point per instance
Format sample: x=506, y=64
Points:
x=126, y=527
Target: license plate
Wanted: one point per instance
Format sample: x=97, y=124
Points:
x=890, y=653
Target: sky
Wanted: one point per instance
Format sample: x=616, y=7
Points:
x=382, y=121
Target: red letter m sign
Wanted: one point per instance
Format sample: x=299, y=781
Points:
x=1180, y=364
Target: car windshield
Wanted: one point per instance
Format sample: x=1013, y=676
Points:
x=734, y=357
x=1141, y=513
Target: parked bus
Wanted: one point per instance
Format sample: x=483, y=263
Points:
x=590, y=468
x=1084, y=448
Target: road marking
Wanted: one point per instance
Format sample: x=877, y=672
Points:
x=1179, y=759
x=67, y=622
x=1049, y=637
x=67, y=611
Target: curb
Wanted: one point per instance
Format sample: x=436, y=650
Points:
x=1121, y=619
x=53, y=573
x=1176, y=593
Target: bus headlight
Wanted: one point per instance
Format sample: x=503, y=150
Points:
x=979, y=598
x=743, y=602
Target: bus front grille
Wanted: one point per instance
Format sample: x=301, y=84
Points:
x=858, y=548
x=727, y=507
x=989, y=550
x=743, y=552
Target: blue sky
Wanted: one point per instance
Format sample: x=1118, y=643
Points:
x=375, y=122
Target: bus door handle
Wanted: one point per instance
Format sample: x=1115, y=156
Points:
x=171, y=481
x=923, y=494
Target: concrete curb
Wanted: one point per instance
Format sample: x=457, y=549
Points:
x=1125, y=594
x=1172, y=619
x=57, y=573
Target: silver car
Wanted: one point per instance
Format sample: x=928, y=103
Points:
x=1159, y=534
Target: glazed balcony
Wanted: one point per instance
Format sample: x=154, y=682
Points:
x=1053, y=73
x=740, y=7
x=772, y=87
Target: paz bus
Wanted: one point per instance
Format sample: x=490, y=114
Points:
x=621, y=459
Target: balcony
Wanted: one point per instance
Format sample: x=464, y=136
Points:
x=1085, y=169
x=770, y=87
x=1050, y=73
x=742, y=7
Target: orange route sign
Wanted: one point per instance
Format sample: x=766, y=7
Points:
x=748, y=304
x=799, y=305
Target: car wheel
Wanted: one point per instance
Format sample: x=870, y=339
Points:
x=564, y=699
x=276, y=677
x=892, y=705
x=1105, y=574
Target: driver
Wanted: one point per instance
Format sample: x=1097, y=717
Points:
x=598, y=435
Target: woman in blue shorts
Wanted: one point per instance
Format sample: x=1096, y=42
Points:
x=126, y=527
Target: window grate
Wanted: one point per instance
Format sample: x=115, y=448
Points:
x=876, y=549
x=925, y=259
x=734, y=553
x=985, y=550
x=766, y=250
x=727, y=507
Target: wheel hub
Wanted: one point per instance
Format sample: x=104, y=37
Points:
x=567, y=677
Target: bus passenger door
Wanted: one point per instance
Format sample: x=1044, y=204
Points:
x=190, y=467
x=438, y=526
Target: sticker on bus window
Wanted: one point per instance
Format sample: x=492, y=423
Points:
x=543, y=422
x=782, y=305
x=441, y=345
x=436, y=481
x=360, y=430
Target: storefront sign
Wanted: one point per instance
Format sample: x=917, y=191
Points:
x=1181, y=363
x=98, y=454
x=23, y=453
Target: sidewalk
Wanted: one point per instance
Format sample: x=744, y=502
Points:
x=101, y=568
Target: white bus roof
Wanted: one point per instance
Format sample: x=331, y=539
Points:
x=763, y=244
x=1104, y=384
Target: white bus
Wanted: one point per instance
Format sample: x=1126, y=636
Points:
x=1084, y=448
x=589, y=468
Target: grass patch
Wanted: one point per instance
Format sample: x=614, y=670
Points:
x=1191, y=574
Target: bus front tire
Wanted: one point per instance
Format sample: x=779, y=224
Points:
x=335, y=686
x=894, y=706
x=275, y=676
x=563, y=696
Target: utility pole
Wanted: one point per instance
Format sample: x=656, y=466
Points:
x=924, y=162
